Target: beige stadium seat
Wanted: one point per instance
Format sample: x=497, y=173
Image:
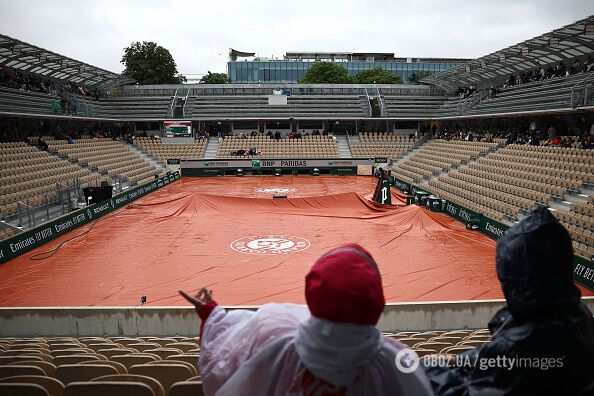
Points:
x=164, y=352
x=74, y=372
x=151, y=382
x=410, y=342
x=186, y=388
x=135, y=359
x=120, y=368
x=51, y=385
x=424, y=352
x=12, y=370
x=191, y=366
x=116, y=351
x=108, y=388
x=184, y=346
x=4, y=360
x=191, y=358
x=166, y=374
x=48, y=368
x=457, y=349
x=73, y=359
x=11, y=389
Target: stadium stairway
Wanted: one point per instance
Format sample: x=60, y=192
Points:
x=211, y=148
x=142, y=153
x=343, y=146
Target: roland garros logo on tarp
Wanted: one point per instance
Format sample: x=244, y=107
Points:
x=270, y=244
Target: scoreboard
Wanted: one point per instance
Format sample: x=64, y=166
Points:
x=178, y=128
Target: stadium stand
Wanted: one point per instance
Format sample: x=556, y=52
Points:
x=33, y=177
x=162, y=151
x=306, y=147
x=429, y=159
x=254, y=106
x=413, y=106
x=107, y=157
x=162, y=364
x=381, y=144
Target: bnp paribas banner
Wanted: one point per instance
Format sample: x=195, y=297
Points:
x=35, y=237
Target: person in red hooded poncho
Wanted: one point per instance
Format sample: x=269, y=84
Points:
x=329, y=348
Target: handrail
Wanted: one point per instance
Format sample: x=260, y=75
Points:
x=172, y=104
x=381, y=102
x=185, y=103
x=369, y=103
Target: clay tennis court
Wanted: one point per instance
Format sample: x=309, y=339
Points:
x=231, y=235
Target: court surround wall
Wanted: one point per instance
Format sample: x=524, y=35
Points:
x=583, y=269
x=44, y=233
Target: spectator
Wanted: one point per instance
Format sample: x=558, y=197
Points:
x=544, y=321
x=254, y=134
x=277, y=135
x=63, y=105
x=332, y=348
x=42, y=145
x=269, y=134
x=55, y=106
x=69, y=140
x=74, y=105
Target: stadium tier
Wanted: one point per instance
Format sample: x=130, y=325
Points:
x=166, y=366
x=162, y=152
x=268, y=147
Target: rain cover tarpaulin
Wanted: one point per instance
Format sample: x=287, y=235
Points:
x=230, y=234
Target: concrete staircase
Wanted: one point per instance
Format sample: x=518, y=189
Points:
x=211, y=148
x=145, y=155
x=344, y=150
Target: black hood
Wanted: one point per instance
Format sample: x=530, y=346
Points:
x=534, y=264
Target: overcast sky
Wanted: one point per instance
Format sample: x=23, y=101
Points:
x=200, y=33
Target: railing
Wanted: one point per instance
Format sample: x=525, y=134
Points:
x=171, y=110
x=580, y=91
x=369, y=102
x=185, y=102
x=380, y=101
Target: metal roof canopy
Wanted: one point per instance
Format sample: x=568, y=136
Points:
x=568, y=42
x=25, y=57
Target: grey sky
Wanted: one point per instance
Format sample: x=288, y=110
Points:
x=199, y=33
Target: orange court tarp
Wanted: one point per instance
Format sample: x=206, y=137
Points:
x=230, y=234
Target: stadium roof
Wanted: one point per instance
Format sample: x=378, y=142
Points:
x=568, y=42
x=28, y=58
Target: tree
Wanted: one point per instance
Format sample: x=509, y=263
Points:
x=418, y=76
x=326, y=73
x=149, y=63
x=377, y=75
x=214, y=78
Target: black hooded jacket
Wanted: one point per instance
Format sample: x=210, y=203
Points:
x=545, y=332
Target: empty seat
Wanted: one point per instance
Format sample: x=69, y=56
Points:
x=51, y=385
x=108, y=388
x=74, y=372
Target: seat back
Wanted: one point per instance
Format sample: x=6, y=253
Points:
x=151, y=382
x=186, y=388
x=12, y=370
x=22, y=390
x=48, y=368
x=166, y=374
x=76, y=373
x=108, y=388
x=51, y=385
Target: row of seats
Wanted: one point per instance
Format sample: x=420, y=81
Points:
x=380, y=150
x=384, y=137
x=437, y=156
x=163, y=151
x=150, y=366
x=33, y=177
x=157, y=362
x=316, y=147
x=107, y=156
